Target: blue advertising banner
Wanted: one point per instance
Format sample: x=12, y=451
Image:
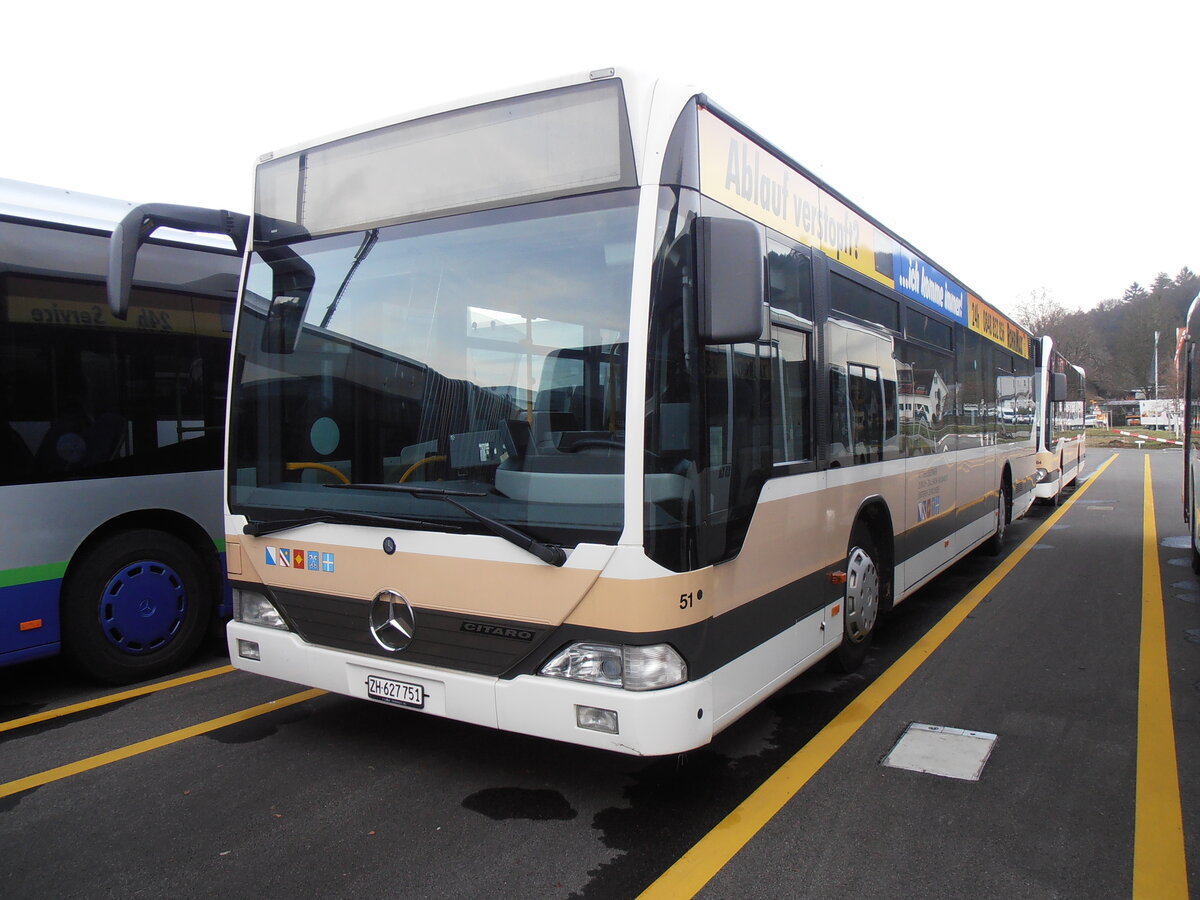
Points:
x=917, y=279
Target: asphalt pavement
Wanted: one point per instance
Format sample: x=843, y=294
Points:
x=224, y=783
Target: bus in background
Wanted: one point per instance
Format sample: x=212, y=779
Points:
x=112, y=435
x=584, y=412
x=1191, y=426
x=1061, y=430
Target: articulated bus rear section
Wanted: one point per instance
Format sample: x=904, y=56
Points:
x=113, y=435
x=603, y=429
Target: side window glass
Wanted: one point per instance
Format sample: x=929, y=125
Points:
x=790, y=395
x=789, y=280
x=891, y=423
x=927, y=398
x=861, y=302
x=866, y=413
x=839, y=419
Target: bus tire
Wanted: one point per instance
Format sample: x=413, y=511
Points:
x=135, y=607
x=860, y=607
x=995, y=543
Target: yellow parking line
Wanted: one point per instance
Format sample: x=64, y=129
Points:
x=112, y=756
x=698, y=866
x=1159, y=858
x=111, y=698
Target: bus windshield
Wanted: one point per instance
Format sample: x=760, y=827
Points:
x=483, y=353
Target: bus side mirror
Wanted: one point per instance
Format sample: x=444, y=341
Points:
x=141, y=221
x=285, y=317
x=292, y=281
x=731, y=282
x=1058, y=387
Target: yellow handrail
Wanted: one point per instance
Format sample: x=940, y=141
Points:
x=292, y=467
x=418, y=464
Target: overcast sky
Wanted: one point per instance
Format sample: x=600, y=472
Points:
x=1023, y=145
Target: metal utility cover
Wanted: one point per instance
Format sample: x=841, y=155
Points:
x=937, y=750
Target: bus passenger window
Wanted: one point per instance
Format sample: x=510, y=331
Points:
x=891, y=424
x=789, y=280
x=839, y=419
x=866, y=414
x=790, y=391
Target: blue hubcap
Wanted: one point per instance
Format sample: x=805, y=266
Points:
x=143, y=607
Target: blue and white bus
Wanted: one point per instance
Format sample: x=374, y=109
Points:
x=111, y=432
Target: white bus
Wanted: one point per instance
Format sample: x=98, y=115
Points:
x=1191, y=426
x=582, y=411
x=1061, y=431
x=112, y=435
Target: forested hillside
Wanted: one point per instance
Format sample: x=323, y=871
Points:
x=1114, y=341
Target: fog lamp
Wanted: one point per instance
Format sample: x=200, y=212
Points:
x=595, y=719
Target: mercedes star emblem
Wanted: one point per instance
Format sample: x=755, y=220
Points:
x=392, y=621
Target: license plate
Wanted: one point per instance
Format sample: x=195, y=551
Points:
x=389, y=690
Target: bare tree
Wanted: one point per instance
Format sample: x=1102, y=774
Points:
x=1041, y=314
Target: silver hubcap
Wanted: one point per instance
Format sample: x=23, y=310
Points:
x=862, y=595
x=1001, y=524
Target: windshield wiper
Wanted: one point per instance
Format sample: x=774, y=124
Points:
x=547, y=553
x=313, y=516
x=368, y=244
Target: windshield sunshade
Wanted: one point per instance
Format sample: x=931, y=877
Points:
x=567, y=141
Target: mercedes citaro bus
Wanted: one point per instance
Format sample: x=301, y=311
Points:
x=583, y=411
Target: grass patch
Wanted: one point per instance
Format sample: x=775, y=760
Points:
x=1100, y=437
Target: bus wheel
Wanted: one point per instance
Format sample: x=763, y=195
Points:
x=137, y=606
x=861, y=605
x=996, y=542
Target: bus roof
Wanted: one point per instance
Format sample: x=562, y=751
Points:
x=59, y=206
x=635, y=82
x=641, y=89
x=77, y=210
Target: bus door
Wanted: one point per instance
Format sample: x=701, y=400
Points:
x=976, y=439
x=925, y=539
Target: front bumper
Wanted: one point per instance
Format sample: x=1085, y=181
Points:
x=652, y=723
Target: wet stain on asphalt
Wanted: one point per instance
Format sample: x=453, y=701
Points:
x=260, y=727
x=12, y=801
x=10, y=711
x=675, y=801
x=672, y=802
x=538, y=805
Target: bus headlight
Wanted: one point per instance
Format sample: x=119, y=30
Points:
x=632, y=668
x=1041, y=474
x=254, y=608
